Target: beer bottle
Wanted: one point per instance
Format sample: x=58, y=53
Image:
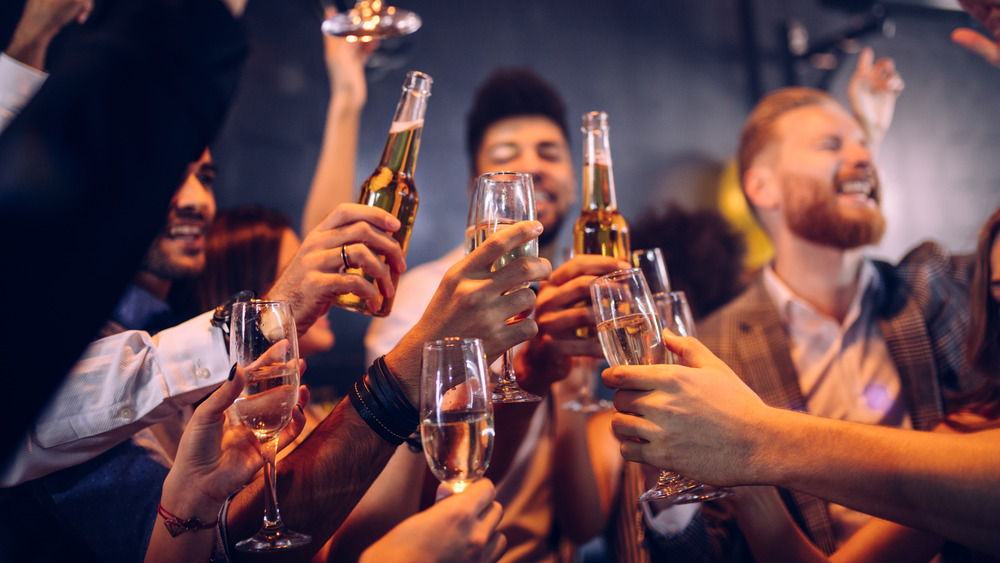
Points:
x=391, y=186
x=601, y=229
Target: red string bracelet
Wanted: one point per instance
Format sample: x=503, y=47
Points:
x=176, y=526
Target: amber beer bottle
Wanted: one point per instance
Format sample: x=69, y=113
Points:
x=391, y=186
x=601, y=229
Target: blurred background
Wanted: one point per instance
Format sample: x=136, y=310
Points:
x=676, y=79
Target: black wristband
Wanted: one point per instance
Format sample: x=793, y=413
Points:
x=363, y=406
x=401, y=413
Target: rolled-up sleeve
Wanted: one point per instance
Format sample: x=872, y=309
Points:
x=120, y=385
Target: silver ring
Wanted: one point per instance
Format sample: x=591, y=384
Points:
x=343, y=256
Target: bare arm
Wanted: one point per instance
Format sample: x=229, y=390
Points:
x=873, y=90
x=39, y=24
x=702, y=421
x=323, y=479
x=333, y=182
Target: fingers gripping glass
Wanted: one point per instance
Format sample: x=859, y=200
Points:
x=263, y=341
x=456, y=411
x=501, y=200
x=629, y=324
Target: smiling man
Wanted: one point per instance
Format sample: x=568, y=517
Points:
x=824, y=329
x=177, y=253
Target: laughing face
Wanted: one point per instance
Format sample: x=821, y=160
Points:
x=829, y=187
x=179, y=251
x=533, y=145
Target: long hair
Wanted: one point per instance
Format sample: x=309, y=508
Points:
x=241, y=253
x=984, y=333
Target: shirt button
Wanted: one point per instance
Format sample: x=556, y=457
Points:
x=202, y=373
x=127, y=413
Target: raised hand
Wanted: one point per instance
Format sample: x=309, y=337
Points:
x=546, y=358
x=692, y=418
x=472, y=301
x=39, y=24
x=873, y=90
x=988, y=14
x=458, y=529
x=316, y=274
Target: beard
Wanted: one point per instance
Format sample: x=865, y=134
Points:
x=814, y=214
x=159, y=262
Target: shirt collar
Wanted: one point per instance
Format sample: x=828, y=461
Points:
x=790, y=305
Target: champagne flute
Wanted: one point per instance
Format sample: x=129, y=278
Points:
x=456, y=411
x=675, y=315
x=501, y=200
x=629, y=326
x=263, y=341
x=650, y=261
x=370, y=20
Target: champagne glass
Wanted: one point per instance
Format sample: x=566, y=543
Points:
x=675, y=315
x=371, y=19
x=263, y=341
x=650, y=261
x=503, y=199
x=456, y=411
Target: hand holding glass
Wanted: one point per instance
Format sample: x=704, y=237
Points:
x=501, y=200
x=456, y=411
x=263, y=341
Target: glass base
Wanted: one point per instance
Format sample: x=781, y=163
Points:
x=273, y=539
x=393, y=22
x=678, y=489
x=511, y=393
x=588, y=405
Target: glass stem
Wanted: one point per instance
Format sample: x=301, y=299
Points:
x=507, y=377
x=272, y=518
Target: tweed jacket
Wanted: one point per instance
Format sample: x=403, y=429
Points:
x=921, y=311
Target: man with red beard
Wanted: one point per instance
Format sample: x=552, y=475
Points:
x=824, y=329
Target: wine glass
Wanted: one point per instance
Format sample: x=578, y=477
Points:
x=650, y=261
x=503, y=199
x=371, y=19
x=456, y=411
x=675, y=316
x=263, y=341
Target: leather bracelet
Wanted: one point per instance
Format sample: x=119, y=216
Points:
x=176, y=526
x=364, y=410
x=397, y=407
x=397, y=390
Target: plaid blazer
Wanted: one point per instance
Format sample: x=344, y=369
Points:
x=922, y=312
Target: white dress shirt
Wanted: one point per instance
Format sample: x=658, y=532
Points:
x=120, y=385
x=18, y=84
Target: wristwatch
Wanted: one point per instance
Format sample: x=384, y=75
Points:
x=223, y=314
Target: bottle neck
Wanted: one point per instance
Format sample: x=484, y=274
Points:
x=598, y=179
x=403, y=144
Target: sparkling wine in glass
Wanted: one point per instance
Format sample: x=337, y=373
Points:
x=456, y=411
x=263, y=341
x=675, y=316
x=369, y=20
x=629, y=325
x=501, y=200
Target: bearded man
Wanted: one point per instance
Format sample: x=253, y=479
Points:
x=824, y=329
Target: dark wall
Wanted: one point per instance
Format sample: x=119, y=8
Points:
x=672, y=77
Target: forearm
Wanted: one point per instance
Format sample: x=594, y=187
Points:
x=333, y=182
x=945, y=483
x=190, y=545
x=770, y=530
x=584, y=468
x=319, y=483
